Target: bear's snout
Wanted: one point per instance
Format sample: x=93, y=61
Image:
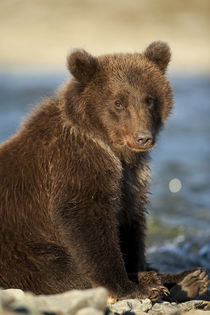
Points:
x=143, y=138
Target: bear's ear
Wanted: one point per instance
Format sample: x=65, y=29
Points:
x=82, y=65
x=159, y=53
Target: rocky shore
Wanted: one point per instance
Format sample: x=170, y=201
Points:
x=92, y=302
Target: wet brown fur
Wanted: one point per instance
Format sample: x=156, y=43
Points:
x=73, y=183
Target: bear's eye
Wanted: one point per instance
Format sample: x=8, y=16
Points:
x=118, y=104
x=150, y=101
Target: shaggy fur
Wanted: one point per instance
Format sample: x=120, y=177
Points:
x=73, y=180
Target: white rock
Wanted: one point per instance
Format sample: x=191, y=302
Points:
x=11, y=295
x=68, y=303
x=89, y=311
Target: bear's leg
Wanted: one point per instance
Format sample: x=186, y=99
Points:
x=186, y=285
x=132, y=220
x=133, y=248
x=41, y=268
x=132, y=233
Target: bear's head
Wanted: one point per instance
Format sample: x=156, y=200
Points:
x=123, y=98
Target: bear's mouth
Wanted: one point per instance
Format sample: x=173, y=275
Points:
x=139, y=148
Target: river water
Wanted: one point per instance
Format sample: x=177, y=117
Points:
x=178, y=222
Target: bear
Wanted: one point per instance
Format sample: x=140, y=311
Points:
x=74, y=182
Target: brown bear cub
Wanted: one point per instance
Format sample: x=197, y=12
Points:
x=73, y=182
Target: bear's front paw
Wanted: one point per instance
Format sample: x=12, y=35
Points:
x=195, y=283
x=150, y=287
x=150, y=284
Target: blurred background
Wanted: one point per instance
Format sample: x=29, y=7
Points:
x=36, y=37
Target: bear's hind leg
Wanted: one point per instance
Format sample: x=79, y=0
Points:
x=186, y=285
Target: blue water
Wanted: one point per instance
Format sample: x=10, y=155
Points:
x=179, y=223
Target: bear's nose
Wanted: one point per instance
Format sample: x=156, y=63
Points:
x=143, y=138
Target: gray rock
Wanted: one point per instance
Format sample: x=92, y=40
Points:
x=140, y=307
x=196, y=312
x=164, y=308
x=176, y=309
x=134, y=305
